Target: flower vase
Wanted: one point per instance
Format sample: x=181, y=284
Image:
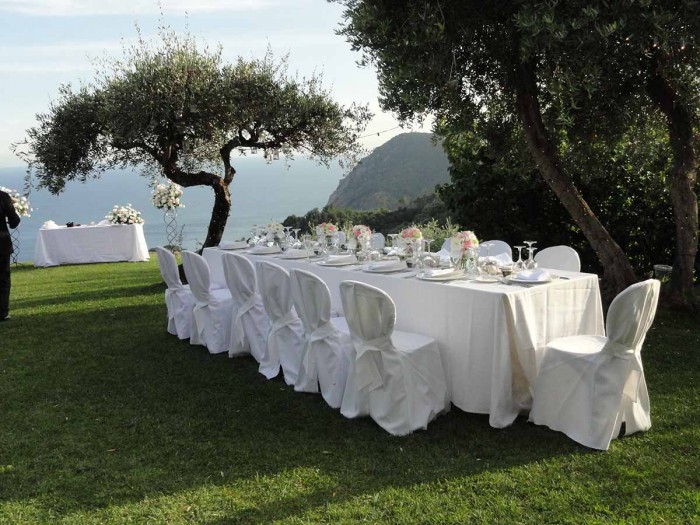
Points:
x=471, y=261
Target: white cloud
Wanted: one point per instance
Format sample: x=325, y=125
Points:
x=129, y=7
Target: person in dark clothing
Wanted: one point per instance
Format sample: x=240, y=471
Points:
x=8, y=215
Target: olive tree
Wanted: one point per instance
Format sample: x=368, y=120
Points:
x=179, y=108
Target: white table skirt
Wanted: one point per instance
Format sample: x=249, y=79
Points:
x=491, y=336
x=90, y=244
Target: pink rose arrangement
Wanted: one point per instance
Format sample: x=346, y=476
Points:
x=464, y=241
x=326, y=229
x=411, y=234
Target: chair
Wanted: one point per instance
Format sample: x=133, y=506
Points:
x=250, y=321
x=377, y=241
x=285, y=339
x=396, y=377
x=496, y=248
x=325, y=358
x=213, y=307
x=589, y=385
x=559, y=258
x=178, y=297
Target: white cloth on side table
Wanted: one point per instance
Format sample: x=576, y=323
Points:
x=401, y=373
x=285, y=340
x=90, y=244
x=589, y=385
x=559, y=258
x=178, y=297
x=250, y=321
x=213, y=307
x=325, y=358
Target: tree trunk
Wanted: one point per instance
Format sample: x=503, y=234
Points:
x=618, y=273
x=222, y=198
x=681, y=183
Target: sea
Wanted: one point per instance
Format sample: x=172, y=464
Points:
x=260, y=193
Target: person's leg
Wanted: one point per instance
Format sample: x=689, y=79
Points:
x=4, y=286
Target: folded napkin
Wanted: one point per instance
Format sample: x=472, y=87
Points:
x=386, y=266
x=533, y=275
x=232, y=245
x=49, y=225
x=296, y=253
x=340, y=259
x=502, y=259
x=262, y=250
x=104, y=222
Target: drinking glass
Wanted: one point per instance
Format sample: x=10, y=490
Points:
x=519, y=265
x=456, y=258
x=297, y=243
x=308, y=241
x=530, y=264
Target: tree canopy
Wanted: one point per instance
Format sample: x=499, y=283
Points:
x=570, y=75
x=179, y=109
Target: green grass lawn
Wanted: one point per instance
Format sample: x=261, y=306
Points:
x=105, y=418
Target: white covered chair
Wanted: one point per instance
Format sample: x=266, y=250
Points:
x=285, y=339
x=396, y=377
x=178, y=297
x=325, y=357
x=211, y=315
x=496, y=248
x=559, y=258
x=250, y=321
x=588, y=386
x=377, y=241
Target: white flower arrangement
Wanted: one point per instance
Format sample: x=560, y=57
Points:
x=273, y=231
x=20, y=202
x=464, y=241
x=167, y=196
x=124, y=215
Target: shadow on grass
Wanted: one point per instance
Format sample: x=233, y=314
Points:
x=90, y=296
x=113, y=410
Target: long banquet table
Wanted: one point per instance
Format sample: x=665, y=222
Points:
x=90, y=244
x=491, y=335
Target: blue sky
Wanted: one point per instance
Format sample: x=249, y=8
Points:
x=45, y=43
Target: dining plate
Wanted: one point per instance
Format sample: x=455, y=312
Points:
x=531, y=281
x=340, y=263
x=487, y=279
x=451, y=276
x=235, y=248
x=385, y=268
x=294, y=256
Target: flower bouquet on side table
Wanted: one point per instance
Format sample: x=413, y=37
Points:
x=124, y=215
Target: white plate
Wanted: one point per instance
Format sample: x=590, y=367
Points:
x=236, y=248
x=487, y=279
x=295, y=256
x=531, y=281
x=452, y=276
x=342, y=263
x=386, y=270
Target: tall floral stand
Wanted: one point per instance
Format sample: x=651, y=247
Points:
x=172, y=232
x=14, y=234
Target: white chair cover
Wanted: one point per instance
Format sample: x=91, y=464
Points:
x=285, y=340
x=250, y=321
x=559, y=258
x=213, y=307
x=397, y=376
x=589, y=385
x=178, y=297
x=377, y=241
x=325, y=358
x=496, y=248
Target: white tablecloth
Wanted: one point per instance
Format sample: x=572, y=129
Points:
x=490, y=335
x=90, y=244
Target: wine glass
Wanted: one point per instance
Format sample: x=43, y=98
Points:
x=519, y=265
x=296, y=231
x=308, y=242
x=530, y=264
x=456, y=257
